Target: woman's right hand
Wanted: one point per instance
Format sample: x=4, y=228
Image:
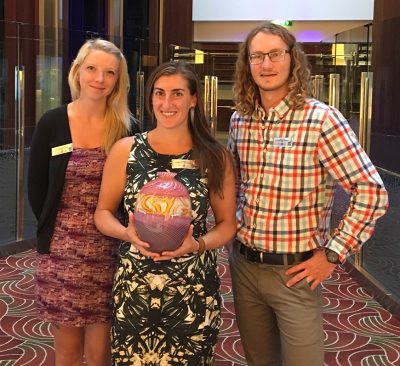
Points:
x=189, y=245
x=132, y=237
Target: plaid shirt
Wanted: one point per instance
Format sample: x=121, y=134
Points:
x=287, y=164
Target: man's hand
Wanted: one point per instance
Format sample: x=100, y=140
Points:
x=315, y=270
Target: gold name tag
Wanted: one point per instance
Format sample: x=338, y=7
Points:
x=62, y=149
x=183, y=164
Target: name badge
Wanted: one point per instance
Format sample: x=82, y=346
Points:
x=283, y=142
x=183, y=164
x=62, y=149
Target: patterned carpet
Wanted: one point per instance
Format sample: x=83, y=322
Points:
x=358, y=332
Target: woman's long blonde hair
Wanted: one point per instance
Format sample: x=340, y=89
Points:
x=118, y=116
x=246, y=91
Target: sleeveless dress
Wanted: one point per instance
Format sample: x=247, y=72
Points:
x=74, y=281
x=165, y=313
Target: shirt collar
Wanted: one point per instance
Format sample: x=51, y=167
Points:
x=280, y=110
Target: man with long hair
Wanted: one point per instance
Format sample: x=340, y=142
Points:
x=289, y=150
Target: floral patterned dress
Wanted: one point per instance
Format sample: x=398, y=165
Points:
x=165, y=313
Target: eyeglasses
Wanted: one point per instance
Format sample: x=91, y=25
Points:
x=275, y=56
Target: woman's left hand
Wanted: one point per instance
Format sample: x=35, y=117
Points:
x=189, y=245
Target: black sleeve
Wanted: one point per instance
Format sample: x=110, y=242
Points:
x=38, y=170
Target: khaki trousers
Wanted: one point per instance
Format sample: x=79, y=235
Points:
x=278, y=325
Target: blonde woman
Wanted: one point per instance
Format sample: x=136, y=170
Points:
x=76, y=263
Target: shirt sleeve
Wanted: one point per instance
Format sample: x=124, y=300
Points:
x=38, y=170
x=341, y=154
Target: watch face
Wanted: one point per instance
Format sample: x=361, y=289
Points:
x=332, y=256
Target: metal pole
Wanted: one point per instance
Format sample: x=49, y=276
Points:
x=348, y=95
x=365, y=110
x=140, y=98
x=365, y=127
x=336, y=42
x=211, y=100
x=214, y=104
x=318, y=87
x=365, y=121
x=207, y=90
x=334, y=88
x=19, y=137
x=368, y=40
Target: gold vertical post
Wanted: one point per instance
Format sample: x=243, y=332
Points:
x=211, y=101
x=207, y=81
x=214, y=104
x=365, y=110
x=334, y=88
x=20, y=146
x=365, y=128
x=115, y=21
x=318, y=87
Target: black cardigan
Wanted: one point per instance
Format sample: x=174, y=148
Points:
x=46, y=173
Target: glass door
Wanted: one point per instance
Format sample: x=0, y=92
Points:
x=8, y=158
x=379, y=259
x=30, y=84
x=215, y=69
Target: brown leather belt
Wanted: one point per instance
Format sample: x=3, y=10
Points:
x=257, y=256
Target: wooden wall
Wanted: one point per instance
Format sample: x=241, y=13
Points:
x=177, y=27
x=385, y=139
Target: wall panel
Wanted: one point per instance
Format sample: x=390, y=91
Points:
x=385, y=142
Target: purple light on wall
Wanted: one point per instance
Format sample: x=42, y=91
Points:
x=310, y=36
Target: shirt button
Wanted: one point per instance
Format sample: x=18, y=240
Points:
x=254, y=226
x=257, y=200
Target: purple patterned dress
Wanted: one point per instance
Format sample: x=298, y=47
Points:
x=74, y=281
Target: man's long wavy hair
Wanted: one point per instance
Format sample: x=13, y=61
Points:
x=246, y=91
x=210, y=155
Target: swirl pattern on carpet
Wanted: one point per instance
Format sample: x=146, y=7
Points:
x=358, y=331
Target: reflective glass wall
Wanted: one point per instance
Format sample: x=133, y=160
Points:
x=379, y=259
x=17, y=119
x=34, y=65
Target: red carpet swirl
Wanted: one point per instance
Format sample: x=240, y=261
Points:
x=358, y=331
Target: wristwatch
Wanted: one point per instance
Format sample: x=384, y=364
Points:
x=332, y=256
